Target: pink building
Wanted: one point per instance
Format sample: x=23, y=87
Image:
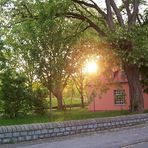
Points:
x=115, y=98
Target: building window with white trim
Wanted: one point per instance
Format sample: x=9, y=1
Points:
x=119, y=96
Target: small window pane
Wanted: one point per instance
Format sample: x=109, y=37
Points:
x=119, y=96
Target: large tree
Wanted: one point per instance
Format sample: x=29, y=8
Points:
x=115, y=22
x=42, y=43
x=144, y=67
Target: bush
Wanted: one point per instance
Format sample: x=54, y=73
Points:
x=13, y=92
x=39, y=100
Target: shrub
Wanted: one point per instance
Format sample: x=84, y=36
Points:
x=39, y=100
x=13, y=92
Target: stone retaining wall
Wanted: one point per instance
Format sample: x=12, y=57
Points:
x=18, y=133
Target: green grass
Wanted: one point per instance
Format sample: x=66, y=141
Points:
x=74, y=114
x=67, y=101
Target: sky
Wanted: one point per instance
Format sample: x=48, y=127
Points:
x=102, y=4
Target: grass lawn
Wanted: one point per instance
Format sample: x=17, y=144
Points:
x=74, y=114
x=67, y=101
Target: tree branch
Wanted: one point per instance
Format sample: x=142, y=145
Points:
x=139, y=21
x=65, y=81
x=109, y=15
x=76, y=84
x=26, y=7
x=132, y=19
x=117, y=12
x=84, y=18
x=93, y=5
x=126, y=4
x=78, y=32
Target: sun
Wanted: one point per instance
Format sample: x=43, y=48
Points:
x=91, y=67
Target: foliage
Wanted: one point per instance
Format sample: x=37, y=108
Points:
x=116, y=24
x=121, y=40
x=41, y=42
x=13, y=92
x=70, y=91
x=144, y=78
x=85, y=49
x=38, y=38
x=39, y=100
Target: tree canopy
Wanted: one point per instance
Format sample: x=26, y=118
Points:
x=40, y=36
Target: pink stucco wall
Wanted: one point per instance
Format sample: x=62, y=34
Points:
x=106, y=101
x=145, y=100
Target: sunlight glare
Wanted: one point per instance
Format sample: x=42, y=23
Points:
x=91, y=67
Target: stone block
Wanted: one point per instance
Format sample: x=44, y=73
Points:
x=1, y=135
x=16, y=134
x=50, y=131
x=90, y=126
x=100, y=125
x=109, y=124
x=68, y=128
x=30, y=133
x=28, y=138
x=8, y=135
x=21, y=138
x=52, y=134
x=56, y=130
x=38, y=132
x=13, y=140
x=73, y=128
x=23, y=133
x=105, y=124
x=60, y=134
x=62, y=129
x=35, y=137
x=88, y=130
x=95, y=126
x=42, y=136
x=72, y=132
x=6, y=140
x=44, y=131
x=66, y=133
x=46, y=135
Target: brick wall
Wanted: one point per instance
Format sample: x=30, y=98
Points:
x=18, y=133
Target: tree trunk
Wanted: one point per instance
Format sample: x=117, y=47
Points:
x=50, y=98
x=59, y=101
x=82, y=101
x=135, y=89
x=82, y=88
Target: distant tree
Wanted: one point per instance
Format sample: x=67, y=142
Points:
x=82, y=52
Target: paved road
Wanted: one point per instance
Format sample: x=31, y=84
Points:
x=136, y=137
x=138, y=145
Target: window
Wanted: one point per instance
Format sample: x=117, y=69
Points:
x=119, y=96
